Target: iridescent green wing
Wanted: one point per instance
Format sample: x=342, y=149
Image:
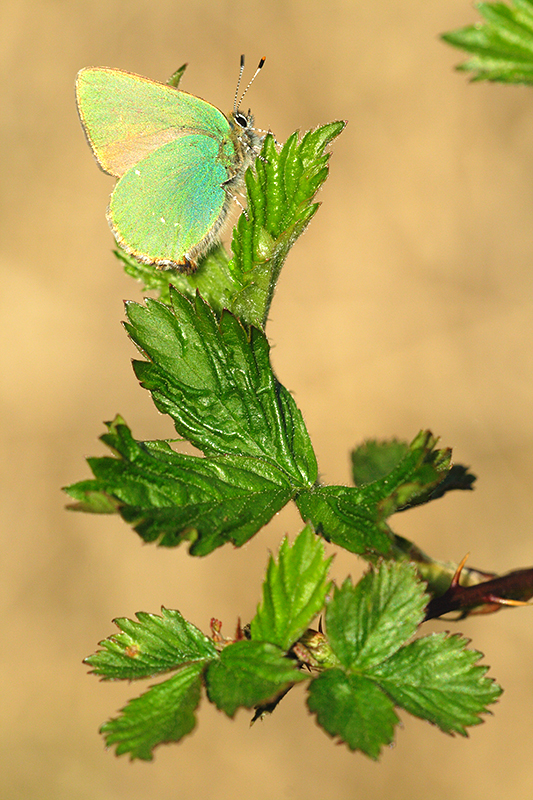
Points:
x=171, y=201
x=127, y=117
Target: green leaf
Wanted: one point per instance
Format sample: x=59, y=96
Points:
x=437, y=575
x=249, y=673
x=367, y=623
x=165, y=713
x=150, y=646
x=341, y=516
x=216, y=383
x=374, y=460
x=458, y=477
x=418, y=470
x=176, y=76
x=170, y=497
x=395, y=475
x=435, y=678
x=353, y=708
x=215, y=380
x=91, y=498
x=212, y=279
x=294, y=591
x=280, y=206
x=502, y=47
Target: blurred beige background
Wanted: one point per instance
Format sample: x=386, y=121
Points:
x=407, y=304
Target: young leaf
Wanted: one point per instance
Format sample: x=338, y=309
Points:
x=212, y=279
x=216, y=383
x=294, y=591
x=429, y=474
x=435, y=678
x=280, y=206
x=339, y=515
x=170, y=497
x=153, y=645
x=374, y=460
x=418, y=470
x=249, y=673
x=502, y=47
x=353, y=708
x=165, y=713
x=356, y=518
x=367, y=623
x=176, y=76
x=457, y=478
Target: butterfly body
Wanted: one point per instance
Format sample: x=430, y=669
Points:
x=178, y=159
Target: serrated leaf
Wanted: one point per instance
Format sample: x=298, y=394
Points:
x=294, y=591
x=418, y=470
x=170, y=497
x=153, y=645
x=280, y=207
x=165, y=713
x=215, y=381
x=458, y=478
x=353, y=708
x=374, y=459
x=212, y=279
x=356, y=518
x=249, y=673
x=339, y=514
x=502, y=47
x=280, y=194
x=368, y=622
x=91, y=499
x=436, y=678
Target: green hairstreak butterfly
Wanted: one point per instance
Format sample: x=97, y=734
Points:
x=178, y=159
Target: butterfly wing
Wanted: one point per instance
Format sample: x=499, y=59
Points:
x=169, y=205
x=170, y=150
x=127, y=117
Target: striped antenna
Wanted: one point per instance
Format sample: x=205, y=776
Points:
x=236, y=104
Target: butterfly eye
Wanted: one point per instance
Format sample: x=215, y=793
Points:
x=241, y=119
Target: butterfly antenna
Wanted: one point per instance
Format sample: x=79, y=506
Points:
x=238, y=83
x=236, y=105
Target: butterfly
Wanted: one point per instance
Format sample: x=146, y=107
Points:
x=178, y=159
